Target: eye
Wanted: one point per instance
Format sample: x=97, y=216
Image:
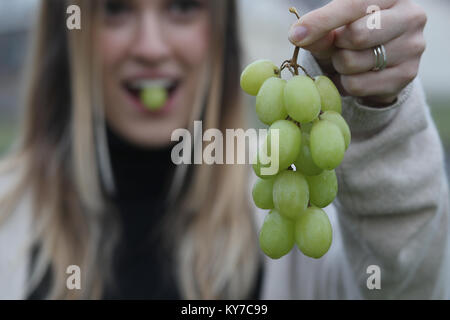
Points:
x=184, y=8
x=113, y=8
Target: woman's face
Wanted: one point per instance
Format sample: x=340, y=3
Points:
x=148, y=42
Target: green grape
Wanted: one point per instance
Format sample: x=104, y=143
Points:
x=301, y=98
x=329, y=94
x=154, y=97
x=259, y=165
x=327, y=145
x=262, y=194
x=313, y=232
x=276, y=237
x=290, y=194
x=289, y=142
x=338, y=120
x=257, y=169
x=304, y=162
x=256, y=73
x=322, y=188
x=270, y=101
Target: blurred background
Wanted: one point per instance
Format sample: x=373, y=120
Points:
x=16, y=17
x=264, y=26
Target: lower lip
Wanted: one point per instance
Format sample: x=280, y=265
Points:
x=165, y=109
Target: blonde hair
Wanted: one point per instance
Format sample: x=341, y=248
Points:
x=63, y=159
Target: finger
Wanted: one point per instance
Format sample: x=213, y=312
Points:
x=316, y=24
x=357, y=35
x=388, y=82
x=323, y=48
x=394, y=21
x=399, y=50
x=348, y=62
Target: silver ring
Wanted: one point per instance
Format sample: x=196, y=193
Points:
x=380, y=58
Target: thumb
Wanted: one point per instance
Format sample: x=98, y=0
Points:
x=323, y=48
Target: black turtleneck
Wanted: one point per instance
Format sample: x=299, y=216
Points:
x=142, y=266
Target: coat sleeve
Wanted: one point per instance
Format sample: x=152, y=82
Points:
x=15, y=230
x=393, y=200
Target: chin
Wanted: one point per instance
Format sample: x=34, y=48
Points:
x=144, y=129
x=154, y=137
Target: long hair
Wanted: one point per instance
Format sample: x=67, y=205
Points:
x=63, y=163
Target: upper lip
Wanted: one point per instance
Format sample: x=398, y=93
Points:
x=145, y=83
x=163, y=79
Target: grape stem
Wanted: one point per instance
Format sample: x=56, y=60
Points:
x=294, y=11
x=288, y=66
x=293, y=62
x=294, y=121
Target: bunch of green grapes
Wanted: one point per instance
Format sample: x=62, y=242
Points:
x=313, y=138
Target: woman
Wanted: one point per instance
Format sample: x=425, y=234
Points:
x=91, y=182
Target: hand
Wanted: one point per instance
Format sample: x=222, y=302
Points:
x=338, y=37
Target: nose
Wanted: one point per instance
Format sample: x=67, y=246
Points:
x=150, y=46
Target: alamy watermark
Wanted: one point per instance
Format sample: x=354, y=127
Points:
x=374, y=280
x=240, y=147
x=73, y=281
x=73, y=22
x=374, y=19
x=74, y=19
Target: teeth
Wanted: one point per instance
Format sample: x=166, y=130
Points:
x=148, y=83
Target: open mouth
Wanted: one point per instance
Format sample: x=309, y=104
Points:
x=135, y=88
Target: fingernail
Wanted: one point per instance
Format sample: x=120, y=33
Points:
x=298, y=33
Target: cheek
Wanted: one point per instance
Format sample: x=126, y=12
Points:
x=112, y=46
x=197, y=40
